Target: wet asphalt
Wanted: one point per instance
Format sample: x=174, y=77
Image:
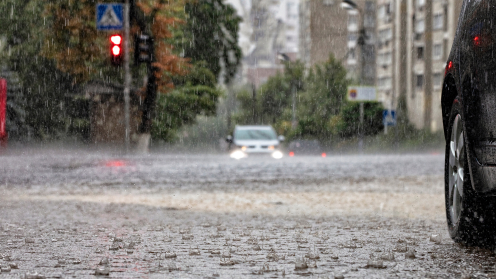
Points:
x=81, y=214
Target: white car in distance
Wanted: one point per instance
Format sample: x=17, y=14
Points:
x=256, y=139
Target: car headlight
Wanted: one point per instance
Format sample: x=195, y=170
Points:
x=237, y=154
x=277, y=154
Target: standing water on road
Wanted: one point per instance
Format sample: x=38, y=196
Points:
x=375, y=216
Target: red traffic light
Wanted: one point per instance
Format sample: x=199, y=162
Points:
x=116, y=39
x=116, y=50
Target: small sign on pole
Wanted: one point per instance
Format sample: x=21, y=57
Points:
x=389, y=117
x=109, y=16
x=361, y=93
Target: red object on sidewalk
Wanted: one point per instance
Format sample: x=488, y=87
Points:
x=3, y=113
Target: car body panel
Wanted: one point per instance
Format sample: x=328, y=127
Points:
x=255, y=139
x=257, y=146
x=473, y=72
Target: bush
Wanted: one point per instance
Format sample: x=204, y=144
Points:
x=350, y=119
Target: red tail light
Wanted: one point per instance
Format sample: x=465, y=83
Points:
x=449, y=66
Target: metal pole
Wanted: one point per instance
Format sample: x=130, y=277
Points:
x=127, y=75
x=293, y=120
x=360, y=129
x=385, y=126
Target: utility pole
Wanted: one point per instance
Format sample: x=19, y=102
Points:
x=294, y=123
x=254, y=103
x=127, y=75
x=428, y=66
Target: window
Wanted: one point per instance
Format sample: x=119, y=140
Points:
x=437, y=80
x=384, y=12
x=385, y=35
x=351, y=56
x=437, y=51
x=289, y=7
x=437, y=23
x=369, y=6
x=368, y=21
x=381, y=12
x=384, y=83
x=445, y=18
x=384, y=59
x=352, y=37
x=328, y=2
x=388, y=8
x=352, y=21
x=420, y=52
x=420, y=82
x=420, y=26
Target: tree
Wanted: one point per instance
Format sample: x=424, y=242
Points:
x=272, y=103
x=322, y=101
x=39, y=103
x=211, y=35
x=196, y=95
x=82, y=51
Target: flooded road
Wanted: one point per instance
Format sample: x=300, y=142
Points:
x=81, y=214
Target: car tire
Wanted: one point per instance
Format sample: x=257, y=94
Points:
x=466, y=213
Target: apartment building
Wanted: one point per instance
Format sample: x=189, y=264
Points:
x=269, y=27
x=323, y=29
x=404, y=55
x=327, y=28
x=414, y=38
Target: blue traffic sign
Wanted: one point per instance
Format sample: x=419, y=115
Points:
x=389, y=117
x=109, y=16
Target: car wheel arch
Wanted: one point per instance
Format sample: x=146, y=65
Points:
x=449, y=94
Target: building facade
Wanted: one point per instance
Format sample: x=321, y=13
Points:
x=268, y=28
x=323, y=30
x=327, y=28
x=414, y=39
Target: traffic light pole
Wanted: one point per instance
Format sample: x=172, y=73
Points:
x=127, y=75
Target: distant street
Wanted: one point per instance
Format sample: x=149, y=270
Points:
x=79, y=213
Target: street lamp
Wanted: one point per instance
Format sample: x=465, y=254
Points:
x=352, y=6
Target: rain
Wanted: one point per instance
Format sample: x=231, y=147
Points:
x=247, y=139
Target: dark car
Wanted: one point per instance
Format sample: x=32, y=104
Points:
x=305, y=147
x=469, y=118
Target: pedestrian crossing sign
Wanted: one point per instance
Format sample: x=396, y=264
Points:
x=109, y=16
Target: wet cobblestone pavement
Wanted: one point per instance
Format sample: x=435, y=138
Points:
x=165, y=216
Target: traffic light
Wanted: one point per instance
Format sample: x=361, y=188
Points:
x=116, y=50
x=143, y=49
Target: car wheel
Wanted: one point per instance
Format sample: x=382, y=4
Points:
x=467, y=219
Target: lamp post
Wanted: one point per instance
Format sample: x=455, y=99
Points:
x=362, y=36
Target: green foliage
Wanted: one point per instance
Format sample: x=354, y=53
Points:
x=323, y=99
x=350, y=119
x=323, y=112
x=211, y=35
x=197, y=95
x=42, y=87
x=198, y=75
x=272, y=102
